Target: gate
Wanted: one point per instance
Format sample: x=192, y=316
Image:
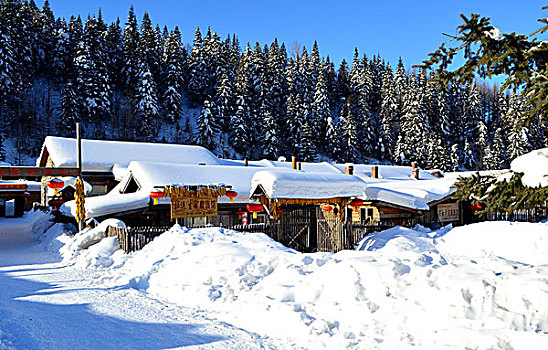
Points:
x=297, y=229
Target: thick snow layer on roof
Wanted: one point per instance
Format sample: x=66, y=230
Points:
x=415, y=194
x=534, y=166
x=110, y=203
x=150, y=174
x=99, y=155
x=299, y=184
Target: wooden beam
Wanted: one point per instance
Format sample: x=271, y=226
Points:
x=36, y=171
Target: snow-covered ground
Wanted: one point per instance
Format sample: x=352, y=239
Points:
x=483, y=286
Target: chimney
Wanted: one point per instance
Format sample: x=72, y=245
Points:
x=245, y=162
x=375, y=172
x=415, y=170
x=349, y=170
x=299, y=164
x=293, y=162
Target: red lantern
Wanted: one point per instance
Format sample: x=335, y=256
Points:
x=231, y=194
x=26, y=194
x=476, y=206
x=155, y=195
x=254, y=208
x=356, y=202
x=279, y=211
x=327, y=208
x=56, y=185
x=240, y=213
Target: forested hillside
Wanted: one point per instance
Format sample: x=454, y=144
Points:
x=132, y=80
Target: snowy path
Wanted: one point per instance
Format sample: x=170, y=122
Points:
x=44, y=304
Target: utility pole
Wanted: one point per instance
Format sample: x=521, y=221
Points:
x=79, y=166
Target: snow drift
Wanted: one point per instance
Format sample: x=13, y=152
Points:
x=479, y=286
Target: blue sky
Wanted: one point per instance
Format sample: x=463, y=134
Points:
x=409, y=29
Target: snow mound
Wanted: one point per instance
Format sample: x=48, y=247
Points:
x=534, y=166
x=479, y=286
x=88, y=239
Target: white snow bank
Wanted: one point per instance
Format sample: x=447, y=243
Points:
x=534, y=166
x=32, y=222
x=469, y=287
x=93, y=240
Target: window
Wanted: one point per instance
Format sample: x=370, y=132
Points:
x=131, y=186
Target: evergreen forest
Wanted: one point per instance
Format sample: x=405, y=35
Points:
x=136, y=80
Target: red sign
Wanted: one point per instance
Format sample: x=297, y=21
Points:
x=36, y=171
x=13, y=186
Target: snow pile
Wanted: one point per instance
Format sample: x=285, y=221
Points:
x=451, y=288
x=91, y=247
x=534, y=166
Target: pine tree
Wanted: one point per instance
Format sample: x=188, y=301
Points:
x=455, y=158
x=130, y=54
x=270, y=144
x=198, y=69
x=206, y=128
x=438, y=154
x=388, y=116
x=146, y=104
x=172, y=62
x=149, y=48
x=70, y=109
x=320, y=111
x=224, y=102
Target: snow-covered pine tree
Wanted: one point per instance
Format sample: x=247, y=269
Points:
x=149, y=48
x=517, y=136
x=270, y=140
x=70, y=110
x=389, y=114
x=438, y=154
x=224, y=102
x=2, y=150
x=146, y=104
x=320, y=112
x=411, y=144
x=239, y=132
x=348, y=135
x=206, y=128
x=308, y=144
x=172, y=62
x=455, y=158
x=130, y=54
x=332, y=143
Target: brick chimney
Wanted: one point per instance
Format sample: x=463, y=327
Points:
x=375, y=172
x=349, y=170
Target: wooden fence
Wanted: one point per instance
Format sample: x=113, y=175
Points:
x=135, y=238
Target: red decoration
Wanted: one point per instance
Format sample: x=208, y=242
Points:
x=255, y=207
x=26, y=194
x=279, y=211
x=156, y=194
x=56, y=184
x=476, y=206
x=327, y=208
x=356, y=202
x=231, y=193
x=240, y=212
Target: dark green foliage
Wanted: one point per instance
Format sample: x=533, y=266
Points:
x=487, y=53
x=499, y=196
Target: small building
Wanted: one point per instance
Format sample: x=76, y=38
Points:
x=104, y=163
x=17, y=196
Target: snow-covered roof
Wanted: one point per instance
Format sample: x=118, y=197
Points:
x=100, y=155
x=413, y=194
x=151, y=174
x=534, y=166
x=303, y=185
